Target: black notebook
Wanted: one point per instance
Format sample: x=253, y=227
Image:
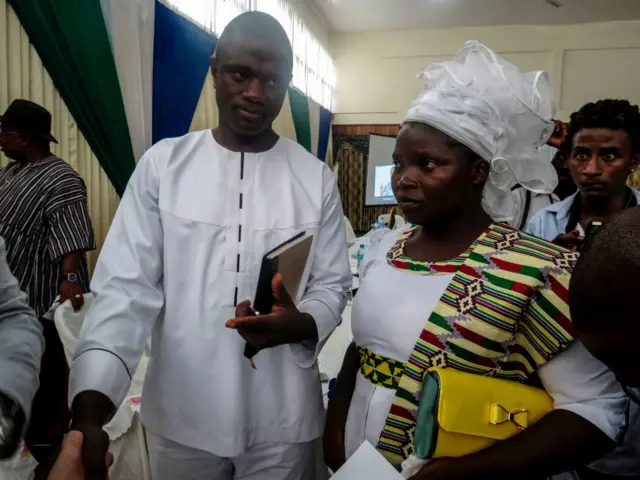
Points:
x=289, y=260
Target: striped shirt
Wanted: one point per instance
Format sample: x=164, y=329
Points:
x=43, y=217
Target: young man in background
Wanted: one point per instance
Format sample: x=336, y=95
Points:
x=603, y=149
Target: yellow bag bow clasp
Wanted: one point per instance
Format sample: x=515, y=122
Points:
x=499, y=415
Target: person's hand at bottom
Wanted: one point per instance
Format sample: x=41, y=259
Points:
x=69, y=465
x=571, y=241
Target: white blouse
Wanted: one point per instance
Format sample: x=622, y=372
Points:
x=389, y=313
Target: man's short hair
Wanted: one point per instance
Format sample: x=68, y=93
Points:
x=255, y=25
x=604, y=286
x=610, y=114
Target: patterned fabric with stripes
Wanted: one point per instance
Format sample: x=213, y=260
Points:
x=44, y=216
x=379, y=370
x=504, y=314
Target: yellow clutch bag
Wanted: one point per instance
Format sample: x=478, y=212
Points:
x=461, y=413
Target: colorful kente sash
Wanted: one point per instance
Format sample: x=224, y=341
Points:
x=505, y=313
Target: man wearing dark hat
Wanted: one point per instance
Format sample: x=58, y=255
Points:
x=45, y=223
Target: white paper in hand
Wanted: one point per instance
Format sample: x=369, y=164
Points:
x=367, y=463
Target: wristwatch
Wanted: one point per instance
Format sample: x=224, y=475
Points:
x=70, y=277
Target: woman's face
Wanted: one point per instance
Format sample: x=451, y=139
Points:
x=434, y=176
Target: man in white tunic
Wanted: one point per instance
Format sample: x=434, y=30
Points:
x=184, y=251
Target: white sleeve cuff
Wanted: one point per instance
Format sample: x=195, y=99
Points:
x=581, y=384
x=307, y=353
x=101, y=371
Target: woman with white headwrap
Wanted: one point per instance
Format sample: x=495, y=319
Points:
x=458, y=290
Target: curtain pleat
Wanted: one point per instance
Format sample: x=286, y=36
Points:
x=283, y=124
x=351, y=145
x=72, y=42
x=352, y=166
x=22, y=75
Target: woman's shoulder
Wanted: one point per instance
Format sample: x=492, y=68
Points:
x=532, y=250
x=380, y=242
x=383, y=239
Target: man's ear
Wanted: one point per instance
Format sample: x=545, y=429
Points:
x=635, y=161
x=214, y=68
x=481, y=171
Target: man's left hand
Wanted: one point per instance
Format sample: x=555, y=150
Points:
x=71, y=291
x=285, y=324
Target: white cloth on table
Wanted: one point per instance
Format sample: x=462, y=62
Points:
x=19, y=467
x=126, y=433
x=351, y=235
x=390, y=311
x=185, y=246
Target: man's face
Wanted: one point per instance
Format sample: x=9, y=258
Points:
x=12, y=143
x=251, y=83
x=601, y=160
x=560, y=163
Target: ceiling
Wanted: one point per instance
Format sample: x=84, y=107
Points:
x=368, y=15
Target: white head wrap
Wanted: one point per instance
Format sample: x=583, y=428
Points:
x=485, y=103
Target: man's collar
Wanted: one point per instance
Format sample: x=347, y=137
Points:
x=563, y=209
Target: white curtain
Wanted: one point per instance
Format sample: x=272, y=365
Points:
x=313, y=72
x=130, y=24
x=22, y=75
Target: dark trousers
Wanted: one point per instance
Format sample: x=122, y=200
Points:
x=50, y=415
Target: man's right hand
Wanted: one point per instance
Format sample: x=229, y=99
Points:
x=571, y=241
x=91, y=410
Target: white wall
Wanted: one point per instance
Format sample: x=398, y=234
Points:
x=376, y=72
x=313, y=20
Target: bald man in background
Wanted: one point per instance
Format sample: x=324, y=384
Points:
x=604, y=309
x=182, y=256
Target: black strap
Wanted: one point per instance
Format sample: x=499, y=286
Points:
x=527, y=207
